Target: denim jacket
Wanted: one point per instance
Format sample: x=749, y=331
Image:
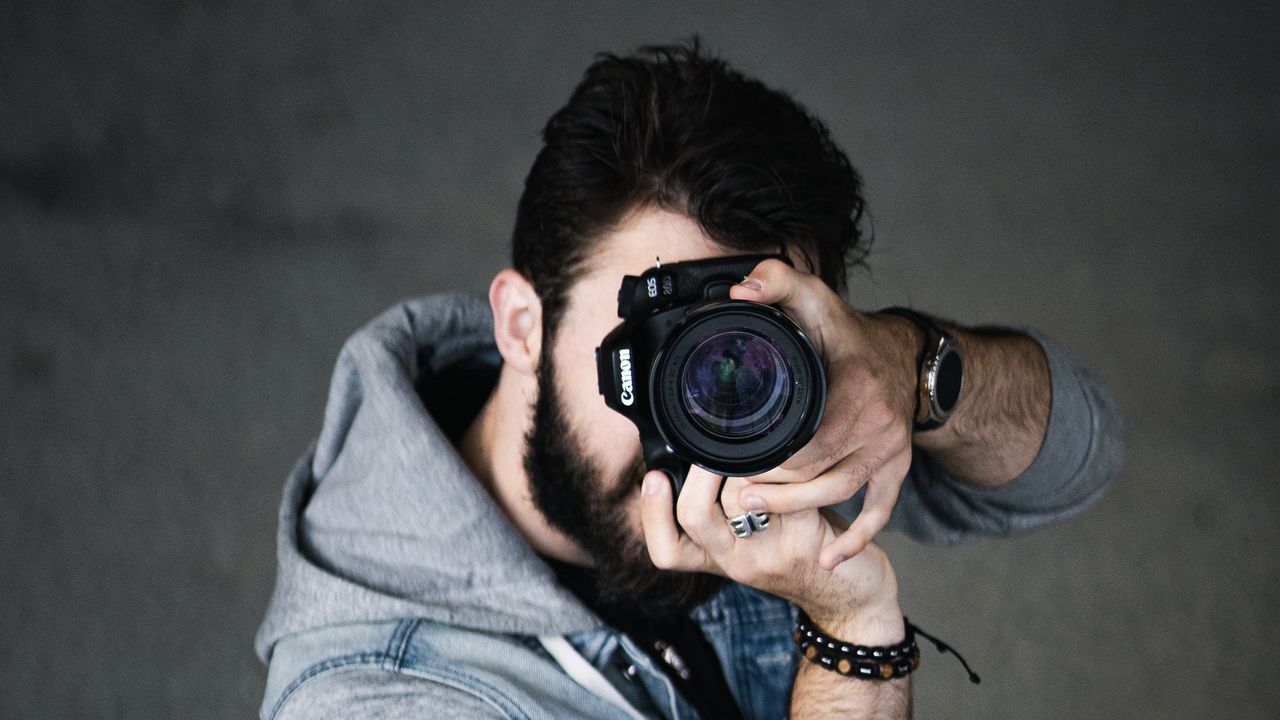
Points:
x=512, y=676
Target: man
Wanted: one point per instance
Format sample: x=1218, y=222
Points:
x=474, y=533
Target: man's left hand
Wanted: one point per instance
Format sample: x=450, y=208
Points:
x=865, y=435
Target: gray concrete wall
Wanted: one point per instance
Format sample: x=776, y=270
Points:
x=199, y=201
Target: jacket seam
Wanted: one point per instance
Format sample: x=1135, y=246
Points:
x=471, y=685
x=320, y=668
x=465, y=683
x=398, y=643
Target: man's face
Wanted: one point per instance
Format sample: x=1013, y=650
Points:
x=583, y=459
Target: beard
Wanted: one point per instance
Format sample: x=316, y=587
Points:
x=574, y=496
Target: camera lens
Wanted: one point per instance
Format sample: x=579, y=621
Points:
x=735, y=387
x=735, y=384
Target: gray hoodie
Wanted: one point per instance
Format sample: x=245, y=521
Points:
x=381, y=520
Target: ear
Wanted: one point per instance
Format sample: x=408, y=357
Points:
x=517, y=320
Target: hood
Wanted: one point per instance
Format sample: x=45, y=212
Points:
x=382, y=519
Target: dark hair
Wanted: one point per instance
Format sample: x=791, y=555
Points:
x=673, y=127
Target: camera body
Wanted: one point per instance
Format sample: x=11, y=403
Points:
x=735, y=387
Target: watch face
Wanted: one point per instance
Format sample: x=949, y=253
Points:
x=950, y=375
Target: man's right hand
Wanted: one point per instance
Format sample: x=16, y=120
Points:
x=856, y=602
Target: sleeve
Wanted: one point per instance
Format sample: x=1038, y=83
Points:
x=373, y=694
x=1082, y=453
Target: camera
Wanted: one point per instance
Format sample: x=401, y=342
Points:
x=735, y=387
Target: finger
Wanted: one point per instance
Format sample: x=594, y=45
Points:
x=700, y=515
x=873, y=422
x=834, y=486
x=882, y=495
x=827, y=448
x=803, y=295
x=774, y=282
x=729, y=496
x=837, y=484
x=779, y=475
x=668, y=549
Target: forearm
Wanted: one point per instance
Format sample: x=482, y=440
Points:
x=822, y=693
x=1000, y=419
x=863, y=610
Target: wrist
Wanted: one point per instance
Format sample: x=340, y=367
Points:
x=904, y=338
x=865, y=625
x=901, y=341
x=861, y=605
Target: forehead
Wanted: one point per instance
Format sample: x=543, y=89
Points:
x=591, y=311
x=632, y=247
x=642, y=239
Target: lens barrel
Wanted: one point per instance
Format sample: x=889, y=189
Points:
x=736, y=387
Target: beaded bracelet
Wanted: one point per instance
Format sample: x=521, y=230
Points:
x=867, y=662
x=861, y=661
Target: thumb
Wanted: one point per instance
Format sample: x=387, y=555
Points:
x=667, y=549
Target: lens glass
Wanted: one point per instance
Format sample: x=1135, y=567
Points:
x=735, y=384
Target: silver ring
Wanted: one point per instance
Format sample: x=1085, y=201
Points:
x=749, y=522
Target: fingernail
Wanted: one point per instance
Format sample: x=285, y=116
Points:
x=753, y=503
x=650, y=485
x=752, y=283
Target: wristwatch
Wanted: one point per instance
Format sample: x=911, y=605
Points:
x=941, y=371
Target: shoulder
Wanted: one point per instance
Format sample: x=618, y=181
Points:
x=366, y=692
x=364, y=670
x=420, y=669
